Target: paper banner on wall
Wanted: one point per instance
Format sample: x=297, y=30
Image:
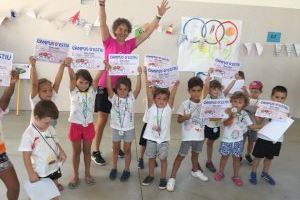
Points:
x=87, y=57
x=277, y=50
x=259, y=48
x=23, y=70
x=248, y=46
x=201, y=40
x=297, y=48
x=6, y=59
x=50, y=51
x=290, y=49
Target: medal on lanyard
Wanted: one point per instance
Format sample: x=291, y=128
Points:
x=121, y=119
x=158, y=120
x=215, y=130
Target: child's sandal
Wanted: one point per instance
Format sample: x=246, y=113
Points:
x=90, y=181
x=73, y=185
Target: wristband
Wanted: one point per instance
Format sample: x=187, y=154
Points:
x=158, y=17
x=102, y=4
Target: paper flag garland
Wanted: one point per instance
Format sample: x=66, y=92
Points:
x=170, y=29
x=75, y=18
x=13, y=14
x=259, y=48
x=277, y=51
x=248, y=46
x=290, y=49
x=297, y=48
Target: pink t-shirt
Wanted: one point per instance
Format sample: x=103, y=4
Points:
x=111, y=46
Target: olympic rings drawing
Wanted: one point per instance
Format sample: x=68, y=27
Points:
x=220, y=32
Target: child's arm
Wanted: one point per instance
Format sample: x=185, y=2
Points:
x=62, y=154
x=109, y=88
x=33, y=77
x=182, y=118
x=206, y=83
x=228, y=88
x=96, y=79
x=60, y=73
x=104, y=31
x=33, y=176
x=172, y=94
x=161, y=11
x=72, y=78
x=229, y=121
x=149, y=90
x=8, y=92
x=137, y=90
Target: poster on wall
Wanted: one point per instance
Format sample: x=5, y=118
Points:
x=123, y=64
x=50, y=51
x=23, y=70
x=87, y=57
x=6, y=60
x=202, y=40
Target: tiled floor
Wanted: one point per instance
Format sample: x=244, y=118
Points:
x=285, y=170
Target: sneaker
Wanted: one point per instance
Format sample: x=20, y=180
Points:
x=237, y=181
x=141, y=163
x=249, y=158
x=210, y=166
x=219, y=176
x=125, y=176
x=200, y=175
x=268, y=178
x=253, y=178
x=162, y=184
x=171, y=184
x=121, y=154
x=97, y=158
x=148, y=180
x=113, y=174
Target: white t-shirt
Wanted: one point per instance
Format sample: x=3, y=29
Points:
x=82, y=106
x=33, y=101
x=145, y=113
x=213, y=123
x=44, y=160
x=192, y=129
x=159, y=122
x=234, y=132
x=122, y=113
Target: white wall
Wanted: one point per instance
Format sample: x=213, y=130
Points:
x=19, y=35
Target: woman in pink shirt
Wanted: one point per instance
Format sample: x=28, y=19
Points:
x=116, y=45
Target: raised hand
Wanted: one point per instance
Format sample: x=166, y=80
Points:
x=14, y=77
x=162, y=9
x=32, y=61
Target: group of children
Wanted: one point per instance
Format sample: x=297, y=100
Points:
x=43, y=156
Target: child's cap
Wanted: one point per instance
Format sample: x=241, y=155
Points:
x=256, y=85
